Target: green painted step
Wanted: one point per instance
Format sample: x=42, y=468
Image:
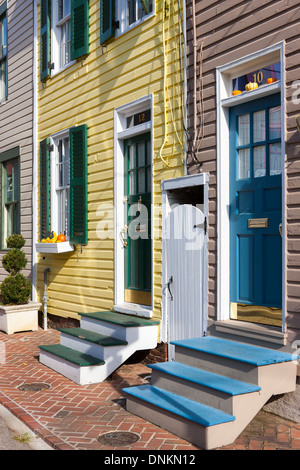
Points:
x=71, y=355
x=121, y=319
x=93, y=337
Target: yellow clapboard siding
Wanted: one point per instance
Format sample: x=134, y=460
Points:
x=129, y=67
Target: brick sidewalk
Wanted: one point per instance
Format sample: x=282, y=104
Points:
x=72, y=417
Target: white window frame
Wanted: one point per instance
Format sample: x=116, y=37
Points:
x=121, y=9
x=225, y=100
x=54, y=196
x=55, y=39
x=121, y=132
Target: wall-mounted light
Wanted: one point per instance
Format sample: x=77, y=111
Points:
x=298, y=122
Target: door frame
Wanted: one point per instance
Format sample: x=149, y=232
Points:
x=169, y=185
x=224, y=75
x=121, y=133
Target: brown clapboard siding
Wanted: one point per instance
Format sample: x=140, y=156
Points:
x=230, y=30
x=16, y=129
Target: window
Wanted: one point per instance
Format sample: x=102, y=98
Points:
x=3, y=53
x=121, y=15
x=63, y=184
x=135, y=10
x=10, y=193
x=63, y=27
x=64, y=34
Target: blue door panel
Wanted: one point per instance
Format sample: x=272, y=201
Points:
x=255, y=253
x=245, y=246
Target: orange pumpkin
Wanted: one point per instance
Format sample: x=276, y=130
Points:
x=236, y=92
x=271, y=80
x=61, y=237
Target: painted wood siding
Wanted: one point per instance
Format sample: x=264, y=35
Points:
x=16, y=124
x=230, y=30
x=127, y=68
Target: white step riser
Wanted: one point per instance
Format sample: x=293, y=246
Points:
x=79, y=375
x=218, y=365
x=113, y=356
x=144, y=337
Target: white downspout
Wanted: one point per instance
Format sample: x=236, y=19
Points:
x=45, y=297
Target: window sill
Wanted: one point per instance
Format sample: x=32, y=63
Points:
x=62, y=247
x=245, y=96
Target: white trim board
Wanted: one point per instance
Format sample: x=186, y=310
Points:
x=121, y=132
x=224, y=75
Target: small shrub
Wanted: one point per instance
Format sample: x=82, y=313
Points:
x=16, y=288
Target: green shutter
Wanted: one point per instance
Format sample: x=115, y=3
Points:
x=79, y=28
x=78, y=185
x=45, y=56
x=107, y=13
x=44, y=188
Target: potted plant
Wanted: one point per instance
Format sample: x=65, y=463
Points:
x=17, y=312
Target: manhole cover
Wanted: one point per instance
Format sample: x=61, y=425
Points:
x=34, y=387
x=118, y=438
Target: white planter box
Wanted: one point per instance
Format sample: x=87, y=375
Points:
x=14, y=318
x=61, y=247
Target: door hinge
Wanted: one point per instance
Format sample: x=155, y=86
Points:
x=205, y=225
x=115, y=24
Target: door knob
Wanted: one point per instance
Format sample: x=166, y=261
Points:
x=280, y=229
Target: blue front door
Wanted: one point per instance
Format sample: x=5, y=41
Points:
x=255, y=204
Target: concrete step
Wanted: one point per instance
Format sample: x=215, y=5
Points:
x=237, y=360
x=199, y=385
x=108, y=337
x=79, y=367
x=190, y=396
x=130, y=328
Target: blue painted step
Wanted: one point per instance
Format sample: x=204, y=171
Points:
x=204, y=378
x=189, y=409
x=247, y=353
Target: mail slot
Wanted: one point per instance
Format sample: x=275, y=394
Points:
x=258, y=223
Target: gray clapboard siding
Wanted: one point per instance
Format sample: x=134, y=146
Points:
x=16, y=127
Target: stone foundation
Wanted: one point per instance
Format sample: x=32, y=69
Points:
x=286, y=406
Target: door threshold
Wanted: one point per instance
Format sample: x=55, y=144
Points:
x=263, y=335
x=134, y=309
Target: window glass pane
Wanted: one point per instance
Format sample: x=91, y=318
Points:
x=259, y=161
x=3, y=80
x=9, y=183
x=141, y=181
x=275, y=123
x=149, y=179
x=3, y=36
x=275, y=159
x=132, y=163
x=137, y=9
x=65, y=44
x=244, y=163
x=132, y=180
x=259, y=126
x=67, y=9
x=141, y=154
x=244, y=130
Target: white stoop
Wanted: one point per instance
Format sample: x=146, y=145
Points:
x=213, y=389
x=104, y=341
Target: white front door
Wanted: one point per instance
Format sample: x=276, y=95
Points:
x=186, y=275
